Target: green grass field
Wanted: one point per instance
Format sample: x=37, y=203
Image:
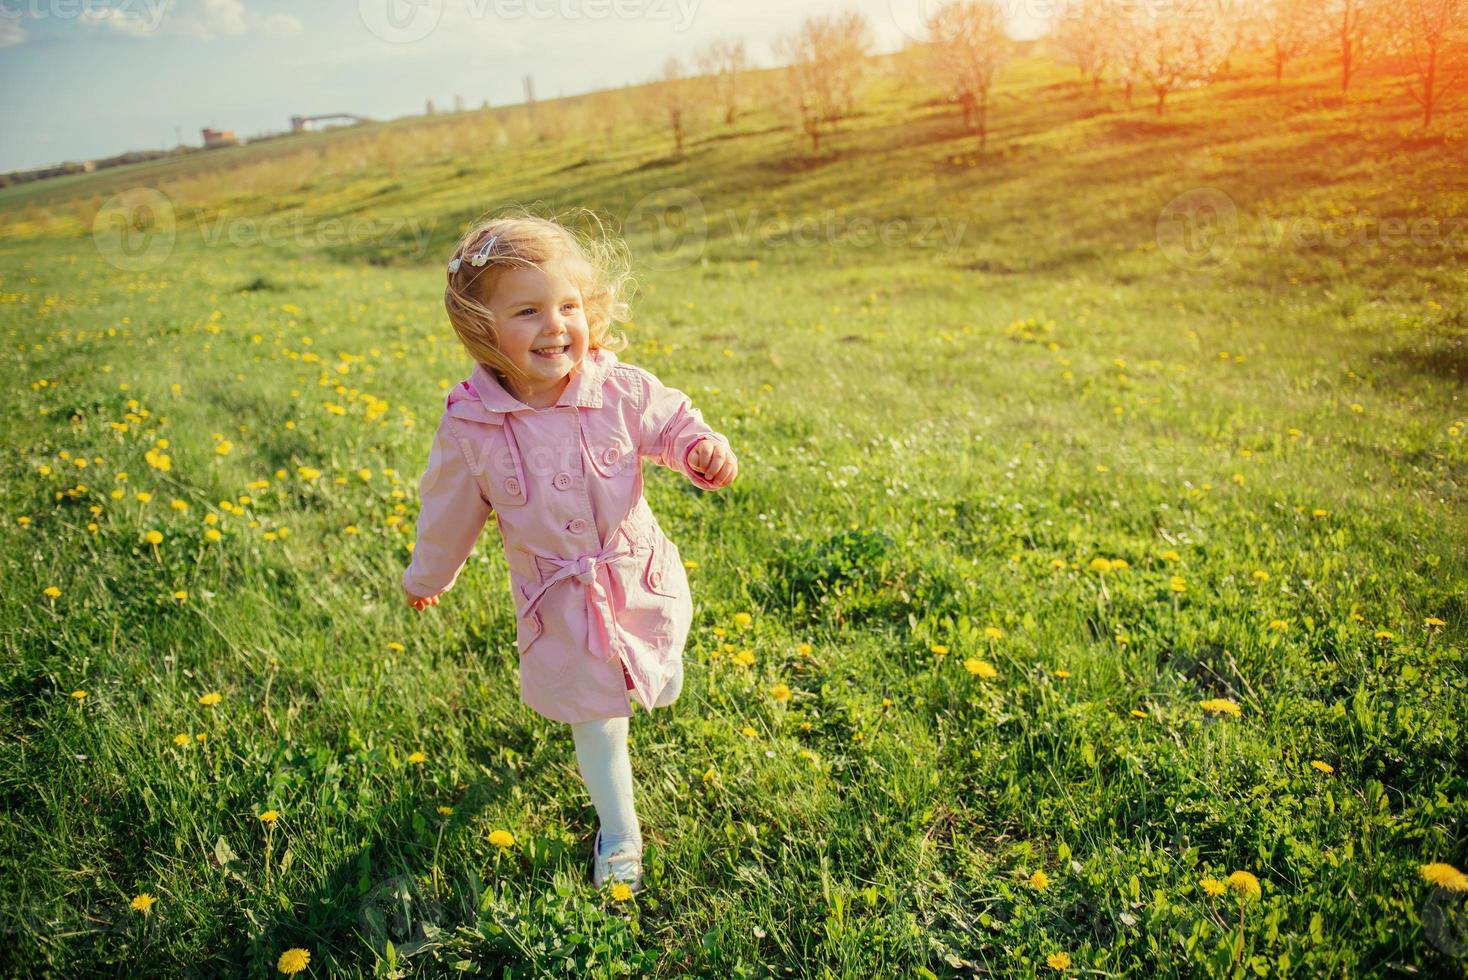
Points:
x=1026, y=490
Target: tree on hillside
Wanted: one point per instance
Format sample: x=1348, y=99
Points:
x=825, y=62
x=1288, y=29
x=1432, y=36
x=1084, y=36
x=675, y=95
x=724, y=62
x=1172, y=46
x=1356, y=27
x=967, y=45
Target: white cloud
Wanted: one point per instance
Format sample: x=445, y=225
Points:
x=203, y=20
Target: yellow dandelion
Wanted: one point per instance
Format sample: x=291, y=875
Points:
x=939, y=649
x=1319, y=512
x=269, y=816
x=144, y=903
x=1039, y=881
x=181, y=739
x=1177, y=584
x=1260, y=575
x=780, y=692
x=1058, y=961
x=1062, y=674
x=1213, y=886
x=1324, y=767
x=1100, y=565
x=143, y=496
x=502, y=839
x=444, y=811
x=709, y=774
x=1445, y=875
x=748, y=732
x=153, y=537
x=1244, y=883
x=181, y=596
x=396, y=647
x=212, y=534
x=1279, y=624
x=621, y=892
x=980, y=668
x=1384, y=634
x=1138, y=713
x=177, y=504
x=1171, y=555
x=417, y=758
x=804, y=649
x=51, y=592
x=1220, y=706
x=293, y=960
x=993, y=632
x=78, y=694
x=1434, y=621
x=743, y=620
x=744, y=658
x=210, y=698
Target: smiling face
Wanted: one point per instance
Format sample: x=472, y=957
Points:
x=541, y=327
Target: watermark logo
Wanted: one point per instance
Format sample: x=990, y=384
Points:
x=1198, y=229
x=400, y=21
x=135, y=231
x=673, y=224
x=1445, y=921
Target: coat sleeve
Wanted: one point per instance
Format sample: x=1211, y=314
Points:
x=671, y=427
x=451, y=514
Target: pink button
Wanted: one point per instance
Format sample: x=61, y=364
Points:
x=562, y=481
x=610, y=456
x=656, y=578
x=512, y=487
x=576, y=526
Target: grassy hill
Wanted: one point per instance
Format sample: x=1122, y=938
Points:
x=1101, y=508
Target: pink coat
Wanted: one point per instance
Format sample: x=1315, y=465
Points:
x=602, y=602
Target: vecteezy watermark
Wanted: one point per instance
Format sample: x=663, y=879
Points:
x=406, y=21
x=670, y=229
x=132, y=16
x=1445, y=921
x=673, y=224
x=408, y=234
x=1198, y=229
x=135, y=231
x=1201, y=228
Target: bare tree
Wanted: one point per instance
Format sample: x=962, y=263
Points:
x=1170, y=46
x=1084, y=36
x=1432, y=35
x=675, y=96
x=724, y=62
x=968, y=44
x=1356, y=24
x=1288, y=29
x=826, y=62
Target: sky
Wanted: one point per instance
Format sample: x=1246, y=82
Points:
x=92, y=78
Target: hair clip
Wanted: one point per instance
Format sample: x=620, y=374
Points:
x=482, y=256
x=454, y=264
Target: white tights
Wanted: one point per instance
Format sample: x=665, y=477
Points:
x=601, y=755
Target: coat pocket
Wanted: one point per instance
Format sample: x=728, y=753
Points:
x=528, y=628
x=663, y=573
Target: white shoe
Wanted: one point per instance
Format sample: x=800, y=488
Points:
x=623, y=864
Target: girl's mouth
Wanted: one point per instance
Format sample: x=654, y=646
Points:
x=551, y=353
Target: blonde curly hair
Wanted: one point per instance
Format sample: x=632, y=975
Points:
x=595, y=261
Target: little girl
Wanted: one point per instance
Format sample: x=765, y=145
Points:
x=548, y=434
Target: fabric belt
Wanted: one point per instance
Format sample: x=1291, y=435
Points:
x=591, y=571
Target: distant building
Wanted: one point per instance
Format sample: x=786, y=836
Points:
x=214, y=138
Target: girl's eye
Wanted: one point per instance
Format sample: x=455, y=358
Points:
x=528, y=309
x=571, y=305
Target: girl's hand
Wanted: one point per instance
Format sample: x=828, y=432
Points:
x=420, y=602
x=715, y=462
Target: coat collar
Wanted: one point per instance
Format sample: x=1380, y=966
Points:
x=583, y=390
